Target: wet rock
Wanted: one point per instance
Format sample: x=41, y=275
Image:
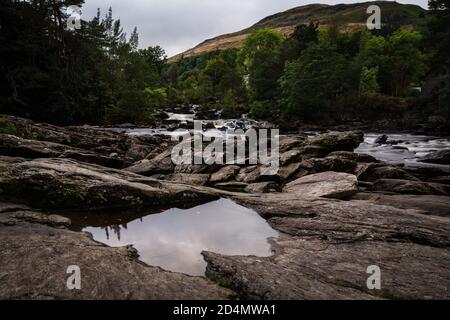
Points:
x=71, y=185
x=35, y=258
x=439, y=157
x=263, y=187
x=381, y=139
x=411, y=187
x=326, y=184
x=225, y=174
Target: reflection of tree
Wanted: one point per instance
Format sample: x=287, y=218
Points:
x=116, y=229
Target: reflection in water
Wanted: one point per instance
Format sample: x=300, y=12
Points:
x=175, y=238
x=408, y=149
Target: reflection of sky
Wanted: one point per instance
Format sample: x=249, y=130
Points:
x=175, y=238
x=416, y=147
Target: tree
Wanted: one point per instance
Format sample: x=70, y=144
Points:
x=301, y=38
x=405, y=59
x=312, y=82
x=261, y=57
x=369, y=81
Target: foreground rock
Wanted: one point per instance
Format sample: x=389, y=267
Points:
x=327, y=184
x=327, y=246
x=71, y=185
x=36, y=250
x=315, y=269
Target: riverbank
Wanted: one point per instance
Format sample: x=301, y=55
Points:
x=336, y=213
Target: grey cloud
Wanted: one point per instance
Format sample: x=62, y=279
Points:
x=177, y=25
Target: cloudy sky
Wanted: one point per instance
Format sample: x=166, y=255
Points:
x=177, y=25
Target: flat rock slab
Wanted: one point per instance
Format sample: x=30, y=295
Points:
x=428, y=204
x=348, y=221
x=72, y=185
x=35, y=257
x=317, y=269
x=326, y=184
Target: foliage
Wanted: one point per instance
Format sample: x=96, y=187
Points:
x=90, y=75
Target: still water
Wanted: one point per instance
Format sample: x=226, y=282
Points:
x=175, y=238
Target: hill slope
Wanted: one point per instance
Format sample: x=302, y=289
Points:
x=349, y=16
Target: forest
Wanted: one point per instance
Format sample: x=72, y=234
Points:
x=99, y=75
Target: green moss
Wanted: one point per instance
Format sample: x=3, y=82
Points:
x=100, y=198
x=327, y=141
x=67, y=194
x=7, y=127
x=224, y=282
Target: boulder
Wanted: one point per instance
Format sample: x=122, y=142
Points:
x=373, y=171
x=338, y=141
x=381, y=139
x=326, y=184
x=71, y=185
x=224, y=174
x=292, y=171
x=439, y=157
x=358, y=157
x=331, y=163
x=292, y=142
x=162, y=163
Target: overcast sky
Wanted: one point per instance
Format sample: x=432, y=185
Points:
x=177, y=25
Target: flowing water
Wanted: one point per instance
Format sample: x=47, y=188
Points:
x=407, y=149
x=174, y=239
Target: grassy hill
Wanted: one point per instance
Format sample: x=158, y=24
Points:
x=348, y=16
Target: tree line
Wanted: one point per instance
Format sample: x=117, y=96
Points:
x=99, y=75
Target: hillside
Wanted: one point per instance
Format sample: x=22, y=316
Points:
x=348, y=16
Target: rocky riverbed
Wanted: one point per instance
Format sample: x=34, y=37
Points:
x=334, y=213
